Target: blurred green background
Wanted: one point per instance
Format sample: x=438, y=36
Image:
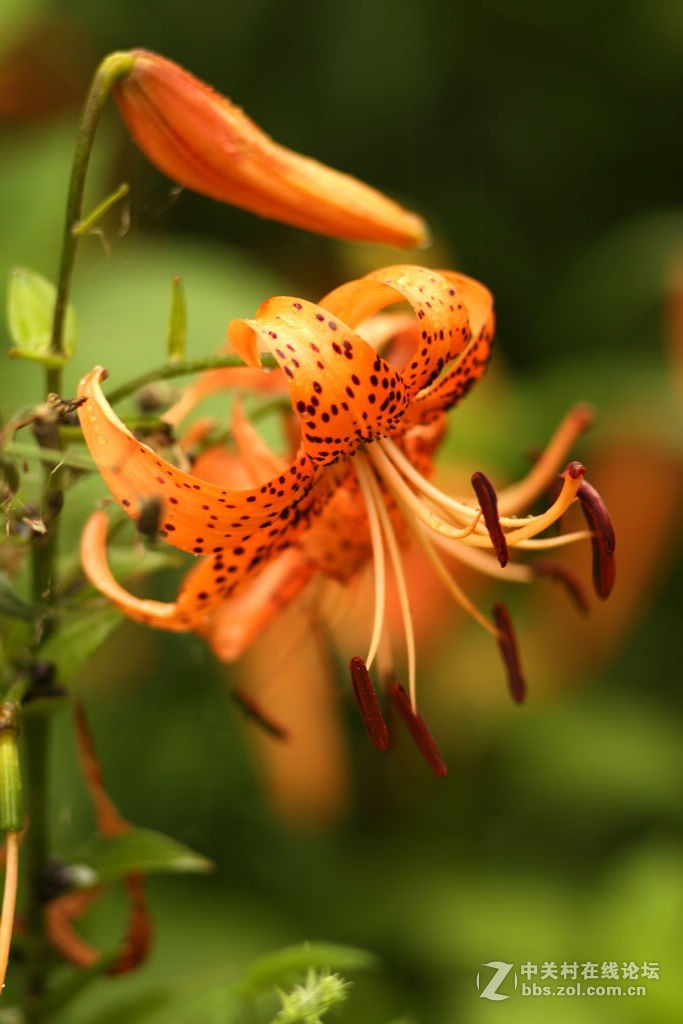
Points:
x=542, y=143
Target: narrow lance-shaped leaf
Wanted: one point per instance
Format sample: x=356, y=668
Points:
x=137, y=851
x=177, y=324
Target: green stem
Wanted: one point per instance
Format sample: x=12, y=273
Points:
x=170, y=370
x=113, y=67
x=72, y=460
x=44, y=554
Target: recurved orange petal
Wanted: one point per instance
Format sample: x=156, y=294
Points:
x=472, y=362
x=197, y=516
x=240, y=530
x=436, y=303
x=344, y=392
x=178, y=616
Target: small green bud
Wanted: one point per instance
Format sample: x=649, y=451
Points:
x=306, y=1003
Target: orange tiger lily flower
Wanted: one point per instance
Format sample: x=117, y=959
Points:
x=370, y=393
x=204, y=142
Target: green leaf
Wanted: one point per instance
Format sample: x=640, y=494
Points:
x=176, y=343
x=81, y=632
x=287, y=965
x=140, y=851
x=12, y=604
x=30, y=309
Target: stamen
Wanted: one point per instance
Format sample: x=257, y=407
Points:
x=401, y=587
x=602, y=538
x=507, y=642
x=559, y=572
x=482, y=561
x=536, y=524
x=368, y=705
x=365, y=478
x=255, y=713
x=447, y=579
x=561, y=540
x=418, y=730
x=488, y=503
x=457, y=509
x=400, y=489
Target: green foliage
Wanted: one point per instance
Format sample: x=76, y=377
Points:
x=82, y=631
x=278, y=969
x=12, y=603
x=138, y=851
x=30, y=309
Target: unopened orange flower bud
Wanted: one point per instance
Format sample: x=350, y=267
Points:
x=206, y=143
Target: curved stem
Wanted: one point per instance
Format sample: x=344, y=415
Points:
x=170, y=370
x=44, y=551
x=113, y=67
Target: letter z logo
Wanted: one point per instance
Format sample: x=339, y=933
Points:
x=501, y=972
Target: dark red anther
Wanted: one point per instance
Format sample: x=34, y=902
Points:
x=507, y=643
x=602, y=538
x=417, y=728
x=488, y=503
x=559, y=572
x=368, y=705
x=256, y=714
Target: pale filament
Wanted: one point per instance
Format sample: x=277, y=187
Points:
x=399, y=488
x=397, y=567
x=539, y=543
x=519, y=531
x=364, y=476
x=425, y=542
x=534, y=524
x=420, y=534
x=458, y=509
x=484, y=562
x=446, y=578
